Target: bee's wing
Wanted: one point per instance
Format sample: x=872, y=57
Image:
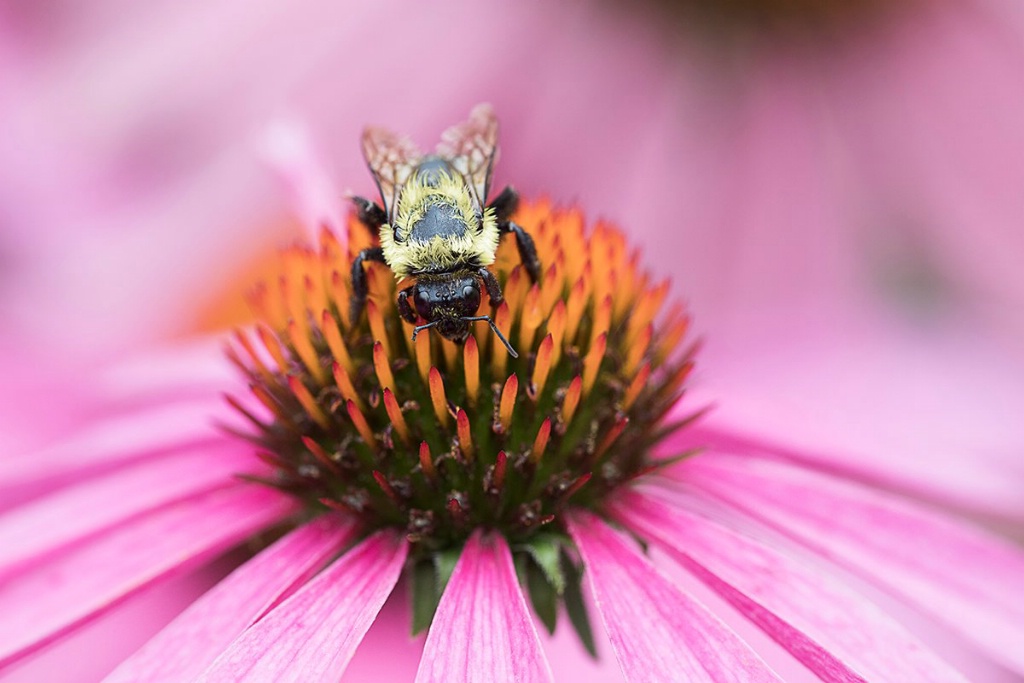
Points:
x=391, y=160
x=472, y=148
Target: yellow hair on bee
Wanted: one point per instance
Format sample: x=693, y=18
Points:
x=419, y=193
x=408, y=257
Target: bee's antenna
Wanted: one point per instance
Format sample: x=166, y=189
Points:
x=494, y=328
x=419, y=328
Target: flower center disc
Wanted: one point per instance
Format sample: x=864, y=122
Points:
x=439, y=439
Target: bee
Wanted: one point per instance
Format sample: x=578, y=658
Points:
x=437, y=228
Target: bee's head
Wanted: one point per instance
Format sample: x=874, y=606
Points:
x=446, y=300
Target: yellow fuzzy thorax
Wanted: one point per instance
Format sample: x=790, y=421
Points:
x=408, y=257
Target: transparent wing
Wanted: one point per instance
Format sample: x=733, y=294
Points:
x=392, y=161
x=471, y=148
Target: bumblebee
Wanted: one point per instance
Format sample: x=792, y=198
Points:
x=437, y=228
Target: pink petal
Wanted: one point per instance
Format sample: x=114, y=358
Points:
x=74, y=513
x=387, y=653
x=194, y=640
x=112, y=442
x=835, y=632
x=952, y=414
x=658, y=633
x=313, y=634
x=78, y=585
x=482, y=630
x=192, y=367
x=964, y=578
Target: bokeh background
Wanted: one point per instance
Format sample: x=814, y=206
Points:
x=835, y=188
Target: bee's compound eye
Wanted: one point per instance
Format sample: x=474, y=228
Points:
x=471, y=295
x=423, y=303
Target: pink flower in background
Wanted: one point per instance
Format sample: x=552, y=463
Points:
x=843, y=220
x=820, y=177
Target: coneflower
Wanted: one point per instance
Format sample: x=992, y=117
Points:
x=495, y=487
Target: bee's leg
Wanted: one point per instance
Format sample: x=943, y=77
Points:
x=369, y=213
x=505, y=204
x=493, y=288
x=404, y=309
x=359, y=287
x=527, y=249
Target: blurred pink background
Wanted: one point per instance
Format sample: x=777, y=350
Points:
x=840, y=202
x=874, y=163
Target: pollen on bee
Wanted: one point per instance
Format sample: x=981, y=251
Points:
x=395, y=414
x=437, y=396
